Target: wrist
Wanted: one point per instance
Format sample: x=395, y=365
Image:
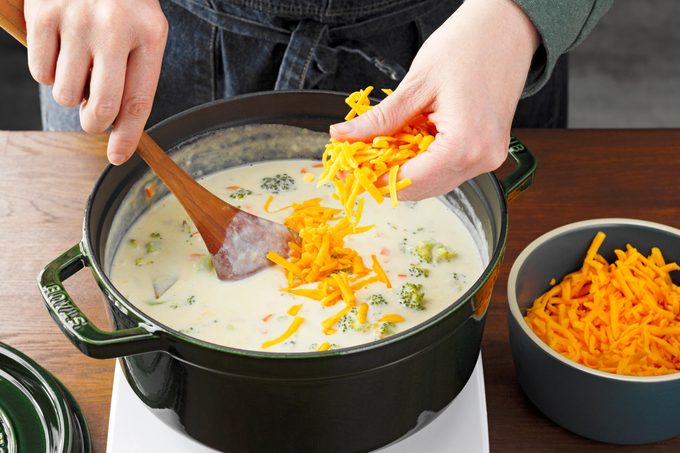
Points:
x=521, y=24
x=506, y=20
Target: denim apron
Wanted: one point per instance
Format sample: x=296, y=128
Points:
x=221, y=48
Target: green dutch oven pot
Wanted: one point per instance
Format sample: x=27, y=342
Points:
x=346, y=400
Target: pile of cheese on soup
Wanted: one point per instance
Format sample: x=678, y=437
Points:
x=392, y=269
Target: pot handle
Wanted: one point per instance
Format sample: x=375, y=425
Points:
x=76, y=326
x=522, y=177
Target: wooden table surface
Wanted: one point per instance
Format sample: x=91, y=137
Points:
x=45, y=179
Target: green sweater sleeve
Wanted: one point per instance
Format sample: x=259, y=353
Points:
x=562, y=26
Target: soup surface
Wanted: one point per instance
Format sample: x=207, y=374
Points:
x=163, y=267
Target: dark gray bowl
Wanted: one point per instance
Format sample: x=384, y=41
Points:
x=594, y=404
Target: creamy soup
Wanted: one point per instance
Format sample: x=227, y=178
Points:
x=163, y=267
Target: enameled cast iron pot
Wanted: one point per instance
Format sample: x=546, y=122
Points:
x=345, y=400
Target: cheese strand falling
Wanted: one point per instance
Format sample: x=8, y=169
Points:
x=319, y=266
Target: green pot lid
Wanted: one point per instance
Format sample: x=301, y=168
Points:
x=37, y=413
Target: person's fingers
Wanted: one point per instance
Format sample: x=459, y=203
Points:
x=140, y=85
x=42, y=41
x=438, y=170
x=107, y=81
x=141, y=79
x=387, y=117
x=73, y=67
x=450, y=161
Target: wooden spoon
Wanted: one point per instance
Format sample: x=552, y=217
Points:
x=238, y=241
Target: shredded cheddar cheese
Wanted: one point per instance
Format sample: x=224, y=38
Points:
x=356, y=167
x=330, y=322
x=294, y=326
x=377, y=268
x=294, y=310
x=391, y=318
x=621, y=318
x=319, y=265
x=363, y=311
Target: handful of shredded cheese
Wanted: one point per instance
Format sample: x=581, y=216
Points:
x=319, y=266
x=621, y=318
x=363, y=163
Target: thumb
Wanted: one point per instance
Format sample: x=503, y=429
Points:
x=122, y=144
x=386, y=118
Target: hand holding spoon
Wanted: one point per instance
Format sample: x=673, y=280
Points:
x=237, y=241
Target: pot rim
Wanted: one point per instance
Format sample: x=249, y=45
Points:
x=158, y=327
x=519, y=318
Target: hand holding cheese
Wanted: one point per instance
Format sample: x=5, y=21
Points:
x=467, y=79
x=102, y=55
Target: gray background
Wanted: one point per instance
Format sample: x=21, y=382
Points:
x=626, y=74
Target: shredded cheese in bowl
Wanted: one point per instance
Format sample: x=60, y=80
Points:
x=621, y=317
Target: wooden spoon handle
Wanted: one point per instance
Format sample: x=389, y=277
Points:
x=178, y=181
x=204, y=207
x=12, y=19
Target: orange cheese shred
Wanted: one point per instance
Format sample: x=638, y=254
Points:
x=281, y=261
x=392, y=185
x=362, y=314
x=328, y=323
x=294, y=310
x=377, y=268
x=268, y=203
x=391, y=318
x=294, y=326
